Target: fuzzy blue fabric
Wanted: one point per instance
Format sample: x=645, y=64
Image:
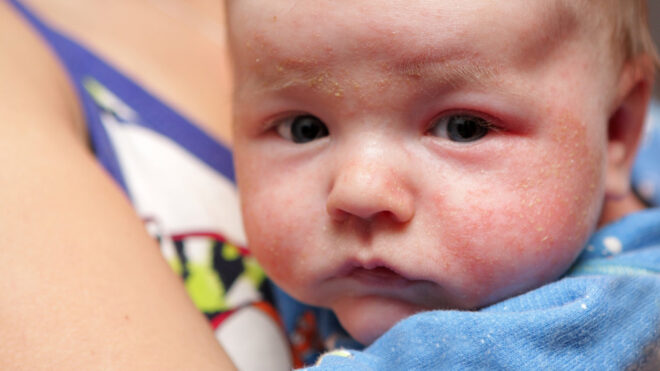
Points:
x=646, y=171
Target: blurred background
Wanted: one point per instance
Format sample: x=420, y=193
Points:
x=654, y=20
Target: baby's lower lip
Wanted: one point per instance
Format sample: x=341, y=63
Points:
x=379, y=276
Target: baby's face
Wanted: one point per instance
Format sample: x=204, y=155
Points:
x=399, y=156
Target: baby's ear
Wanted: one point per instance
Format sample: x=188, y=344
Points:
x=626, y=124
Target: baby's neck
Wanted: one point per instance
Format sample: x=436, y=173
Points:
x=617, y=209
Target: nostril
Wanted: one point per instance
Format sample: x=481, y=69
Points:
x=386, y=215
x=340, y=216
x=337, y=215
x=401, y=216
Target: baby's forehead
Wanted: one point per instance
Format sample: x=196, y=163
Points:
x=301, y=31
x=294, y=35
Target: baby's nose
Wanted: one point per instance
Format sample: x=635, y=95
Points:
x=369, y=188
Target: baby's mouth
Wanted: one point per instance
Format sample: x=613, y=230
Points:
x=378, y=276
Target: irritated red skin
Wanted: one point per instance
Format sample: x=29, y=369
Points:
x=465, y=224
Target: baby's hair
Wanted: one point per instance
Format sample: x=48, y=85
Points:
x=634, y=29
x=628, y=20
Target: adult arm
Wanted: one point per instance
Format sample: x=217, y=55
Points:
x=82, y=285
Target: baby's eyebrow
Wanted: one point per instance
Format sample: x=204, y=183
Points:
x=285, y=78
x=454, y=71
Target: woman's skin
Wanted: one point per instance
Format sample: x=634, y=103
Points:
x=83, y=285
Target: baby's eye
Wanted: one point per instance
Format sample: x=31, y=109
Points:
x=461, y=128
x=302, y=129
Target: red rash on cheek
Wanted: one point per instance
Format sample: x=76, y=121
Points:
x=522, y=222
x=281, y=225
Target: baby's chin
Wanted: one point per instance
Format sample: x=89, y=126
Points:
x=368, y=317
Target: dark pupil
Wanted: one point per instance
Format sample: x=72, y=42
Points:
x=465, y=129
x=307, y=128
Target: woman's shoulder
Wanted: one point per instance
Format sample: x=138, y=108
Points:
x=173, y=50
x=82, y=276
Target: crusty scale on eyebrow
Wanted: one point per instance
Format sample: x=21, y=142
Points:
x=452, y=72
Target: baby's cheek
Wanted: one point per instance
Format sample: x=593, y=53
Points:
x=523, y=226
x=509, y=248
x=278, y=222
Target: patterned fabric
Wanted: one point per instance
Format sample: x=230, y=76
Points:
x=311, y=330
x=171, y=189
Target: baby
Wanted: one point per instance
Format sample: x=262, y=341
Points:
x=396, y=157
